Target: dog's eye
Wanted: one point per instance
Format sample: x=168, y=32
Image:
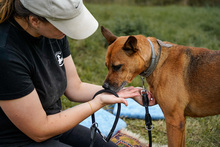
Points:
x=116, y=67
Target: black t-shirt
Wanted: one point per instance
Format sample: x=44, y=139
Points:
x=27, y=62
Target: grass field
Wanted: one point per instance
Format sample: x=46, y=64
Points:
x=190, y=26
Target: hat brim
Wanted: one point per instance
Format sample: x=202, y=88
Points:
x=80, y=27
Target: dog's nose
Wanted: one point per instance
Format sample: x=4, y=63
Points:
x=105, y=85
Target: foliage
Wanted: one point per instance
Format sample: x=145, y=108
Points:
x=191, y=26
x=159, y=2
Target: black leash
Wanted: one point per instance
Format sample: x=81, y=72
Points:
x=148, y=120
x=94, y=126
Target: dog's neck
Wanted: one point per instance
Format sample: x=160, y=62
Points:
x=154, y=61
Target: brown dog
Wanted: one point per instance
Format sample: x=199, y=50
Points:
x=185, y=81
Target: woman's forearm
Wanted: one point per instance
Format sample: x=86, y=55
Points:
x=66, y=120
x=28, y=115
x=83, y=93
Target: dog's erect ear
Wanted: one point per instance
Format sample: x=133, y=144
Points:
x=109, y=36
x=130, y=46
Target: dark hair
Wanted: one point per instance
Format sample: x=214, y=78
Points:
x=9, y=8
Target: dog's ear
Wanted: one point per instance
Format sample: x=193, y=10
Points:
x=109, y=36
x=130, y=46
x=164, y=44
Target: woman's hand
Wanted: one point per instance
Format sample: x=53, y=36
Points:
x=151, y=99
x=129, y=92
x=107, y=99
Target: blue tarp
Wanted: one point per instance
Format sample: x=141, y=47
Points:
x=134, y=110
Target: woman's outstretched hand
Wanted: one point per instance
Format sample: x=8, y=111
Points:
x=107, y=99
x=128, y=92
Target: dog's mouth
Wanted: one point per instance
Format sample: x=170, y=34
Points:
x=123, y=84
x=114, y=87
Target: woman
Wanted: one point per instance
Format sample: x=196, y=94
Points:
x=36, y=69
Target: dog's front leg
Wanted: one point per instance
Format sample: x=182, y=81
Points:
x=176, y=131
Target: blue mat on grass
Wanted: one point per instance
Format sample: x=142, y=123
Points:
x=134, y=110
x=105, y=122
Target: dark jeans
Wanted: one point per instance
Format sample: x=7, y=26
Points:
x=79, y=136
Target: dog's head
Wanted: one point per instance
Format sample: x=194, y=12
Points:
x=127, y=57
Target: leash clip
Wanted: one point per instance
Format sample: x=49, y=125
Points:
x=149, y=129
x=143, y=91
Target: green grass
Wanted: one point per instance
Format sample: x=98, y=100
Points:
x=201, y=132
x=191, y=26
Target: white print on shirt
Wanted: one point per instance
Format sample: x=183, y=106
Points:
x=59, y=58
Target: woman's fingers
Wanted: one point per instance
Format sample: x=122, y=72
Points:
x=129, y=92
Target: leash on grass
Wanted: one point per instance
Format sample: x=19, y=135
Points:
x=148, y=120
x=94, y=126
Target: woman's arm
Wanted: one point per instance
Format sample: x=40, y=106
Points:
x=77, y=90
x=28, y=115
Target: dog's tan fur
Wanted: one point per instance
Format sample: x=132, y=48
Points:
x=185, y=82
